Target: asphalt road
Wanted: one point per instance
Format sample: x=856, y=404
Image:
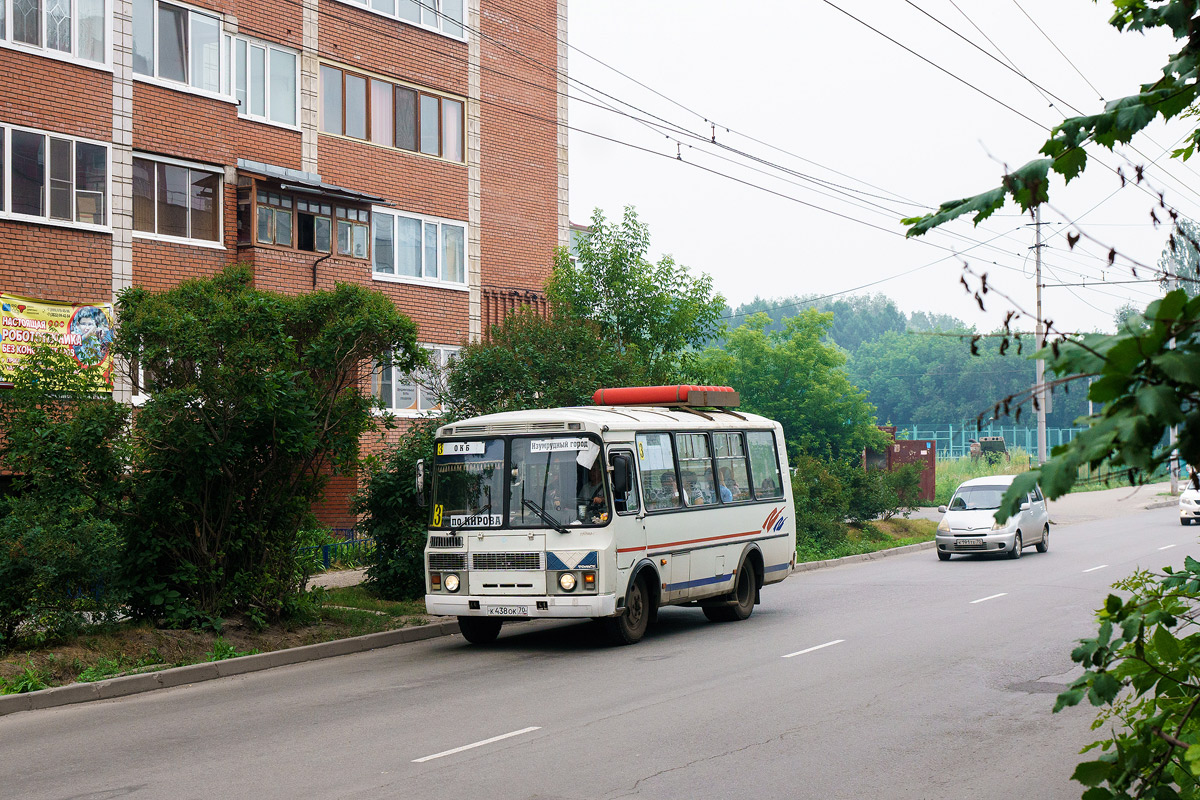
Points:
x=899, y=678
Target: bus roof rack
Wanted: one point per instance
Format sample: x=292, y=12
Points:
x=681, y=395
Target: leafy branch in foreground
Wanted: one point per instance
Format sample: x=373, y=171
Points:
x=1170, y=96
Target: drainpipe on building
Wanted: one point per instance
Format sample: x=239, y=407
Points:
x=318, y=261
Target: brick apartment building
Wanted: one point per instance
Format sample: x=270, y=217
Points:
x=415, y=148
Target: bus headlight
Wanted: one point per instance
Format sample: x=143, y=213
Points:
x=567, y=581
x=451, y=582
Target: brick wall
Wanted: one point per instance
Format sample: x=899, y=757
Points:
x=517, y=172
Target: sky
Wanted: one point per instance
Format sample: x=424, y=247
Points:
x=869, y=132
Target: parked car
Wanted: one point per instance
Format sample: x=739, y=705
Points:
x=1189, y=506
x=969, y=523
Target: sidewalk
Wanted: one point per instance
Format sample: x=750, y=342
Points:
x=1088, y=506
x=338, y=578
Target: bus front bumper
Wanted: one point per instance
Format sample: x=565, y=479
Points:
x=522, y=607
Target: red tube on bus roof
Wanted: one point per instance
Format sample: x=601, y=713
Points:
x=679, y=395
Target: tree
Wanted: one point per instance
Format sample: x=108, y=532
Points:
x=254, y=398
x=922, y=380
x=651, y=313
x=793, y=377
x=1141, y=667
x=533, y=361
x=856, y=319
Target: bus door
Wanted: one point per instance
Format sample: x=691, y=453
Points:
x=629, y=526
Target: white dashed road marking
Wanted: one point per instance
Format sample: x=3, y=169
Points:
x=1168, y=547
x=476, y=744
x=818, y=647
x=989, y=597
x=1093, y=569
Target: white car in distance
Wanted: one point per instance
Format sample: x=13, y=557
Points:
x=969, y=523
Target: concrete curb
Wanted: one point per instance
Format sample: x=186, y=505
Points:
x=1161, y=504
x=807, y=566
x=195, y=673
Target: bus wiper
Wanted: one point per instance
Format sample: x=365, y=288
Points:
x=541, y=512
x=481, y=512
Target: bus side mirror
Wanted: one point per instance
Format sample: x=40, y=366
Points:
x=622, y=474
x=420, y=482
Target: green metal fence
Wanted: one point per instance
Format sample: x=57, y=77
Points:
x=953, y=441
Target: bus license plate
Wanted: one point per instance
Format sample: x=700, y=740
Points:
x=508, y=611
x=969, y=542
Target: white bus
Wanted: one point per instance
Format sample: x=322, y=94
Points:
x=661, y=496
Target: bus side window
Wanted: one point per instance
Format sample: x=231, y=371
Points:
x=656, y=462
x=733, y=476
x=764, y=465
x=696, y=469
x=626, y=501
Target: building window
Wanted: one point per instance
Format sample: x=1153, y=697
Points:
x=74, y=28
x=174, y=200
x=391, y=115
x=352, y=236
x=443, y=16
x=416, y=392
x=267, y=216
x=177, y=44
x=410, y=246
x=274, y=219
x=264, y=80
x=53, y=178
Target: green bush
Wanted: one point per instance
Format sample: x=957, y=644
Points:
x=255, y=399
x=390, y=515
x=59, y=546
x=51, y=571
x=822, y=500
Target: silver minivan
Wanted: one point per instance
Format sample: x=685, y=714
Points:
x=969, y=525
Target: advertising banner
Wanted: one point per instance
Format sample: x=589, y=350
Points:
x=84, y=331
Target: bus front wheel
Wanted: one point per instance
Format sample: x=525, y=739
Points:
x=742, y=604
x=630, y=627
x=480, y=630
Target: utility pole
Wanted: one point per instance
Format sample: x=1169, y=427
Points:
x=1039, y=391
x=1173, y=464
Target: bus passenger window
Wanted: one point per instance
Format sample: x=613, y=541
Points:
x=764, y=465
x=733, y=476
x=695, y=465
x=656, y=462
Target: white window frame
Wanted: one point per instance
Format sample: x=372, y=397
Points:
x=442, y=353
x=223, y=60
x=219, y=242
x=429, y=10
x=378, y=212
x=6, y=172
x=229, y=79
x=7, y=41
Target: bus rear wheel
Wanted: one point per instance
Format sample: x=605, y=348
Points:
x=480, y=630
x=630, y=627
x=742, y=604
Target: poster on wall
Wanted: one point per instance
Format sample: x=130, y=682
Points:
x=84, y=331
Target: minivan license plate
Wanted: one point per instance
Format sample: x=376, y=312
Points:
x=969, y=542
x=508, y=611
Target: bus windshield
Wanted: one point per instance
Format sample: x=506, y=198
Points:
x=559, y=479
x=468, y=478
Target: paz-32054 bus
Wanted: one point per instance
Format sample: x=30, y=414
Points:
x=655, y=496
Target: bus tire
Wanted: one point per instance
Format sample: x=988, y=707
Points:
x=744, y=594
x=630, y=627
x=480, y=630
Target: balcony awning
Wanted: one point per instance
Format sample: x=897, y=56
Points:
x=298, y=181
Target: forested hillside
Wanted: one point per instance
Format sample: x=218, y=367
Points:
x=918, y=368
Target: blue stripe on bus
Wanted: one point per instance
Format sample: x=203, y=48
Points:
x=674, y=587
x=777, y=567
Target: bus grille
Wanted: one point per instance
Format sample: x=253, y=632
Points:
x=507, y=561
x=445, y=541
x=442, y=561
